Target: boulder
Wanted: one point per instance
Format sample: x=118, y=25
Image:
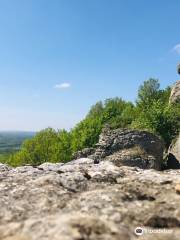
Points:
x=175, y=93
x=173, y=161
x=130, y=147
x=174, y=154
x=83, y=153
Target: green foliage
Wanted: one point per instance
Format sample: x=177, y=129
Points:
x=152, y=112
x=148, y=92
x=4, y=157
x=63, y=148
x=160, y=119
x=96, y=110
x=123, y=118
x=47, y=146
x=115, y=112
x=86, y=133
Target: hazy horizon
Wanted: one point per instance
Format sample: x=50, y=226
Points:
x=60, y=57
x=16, y=131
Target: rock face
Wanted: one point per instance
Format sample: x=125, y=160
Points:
x=175, y=93
x=128, y=147
x=81, y=200
x=84, y=153
x=174, y=149
x=174, y=154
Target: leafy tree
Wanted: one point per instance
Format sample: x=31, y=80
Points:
x=160, y=119
x=148, y=92
x=154, y=113
x=96, y=110
x=63, y=148
x=113, y=107
x=124, y=118
x=86, y=133
x=114, y=111
x=46, y=146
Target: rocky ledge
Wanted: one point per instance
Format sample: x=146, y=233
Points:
x=81, y=200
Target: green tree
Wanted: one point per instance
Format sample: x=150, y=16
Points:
x=154, y=113
x=47, y=146
x=113, y=107
x=123, y=118
x=148, y=92
x=115, y=112
x=63, y=148
x=96, y=110
x=160, y=118
x=86, y=133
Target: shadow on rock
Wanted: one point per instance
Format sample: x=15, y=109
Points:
x=172, y=162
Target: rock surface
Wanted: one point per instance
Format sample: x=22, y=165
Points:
x=175, y=93
x=128, y=147
x=84, y=153
x=81, y=200
x=174, y=154
x=174, y=148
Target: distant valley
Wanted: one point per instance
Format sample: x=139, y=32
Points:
x=11, y=141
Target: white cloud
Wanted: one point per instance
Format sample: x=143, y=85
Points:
x=176, y=48
x=36, y=95
x=62, y=85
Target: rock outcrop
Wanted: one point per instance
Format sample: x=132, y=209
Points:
x=174, y=148
x=87, y=201
x=128, y=147
x=84, y=153
x=174, y=154
x=175, y=93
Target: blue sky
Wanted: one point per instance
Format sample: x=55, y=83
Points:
x=59, y=57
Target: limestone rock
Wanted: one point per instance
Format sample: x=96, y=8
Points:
x=174, y=154
x=175, y=93
x=174, y=148
x=130, y=147
x=83, y=200
x=84, y=153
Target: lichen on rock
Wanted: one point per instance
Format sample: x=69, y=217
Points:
x=83, y=200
